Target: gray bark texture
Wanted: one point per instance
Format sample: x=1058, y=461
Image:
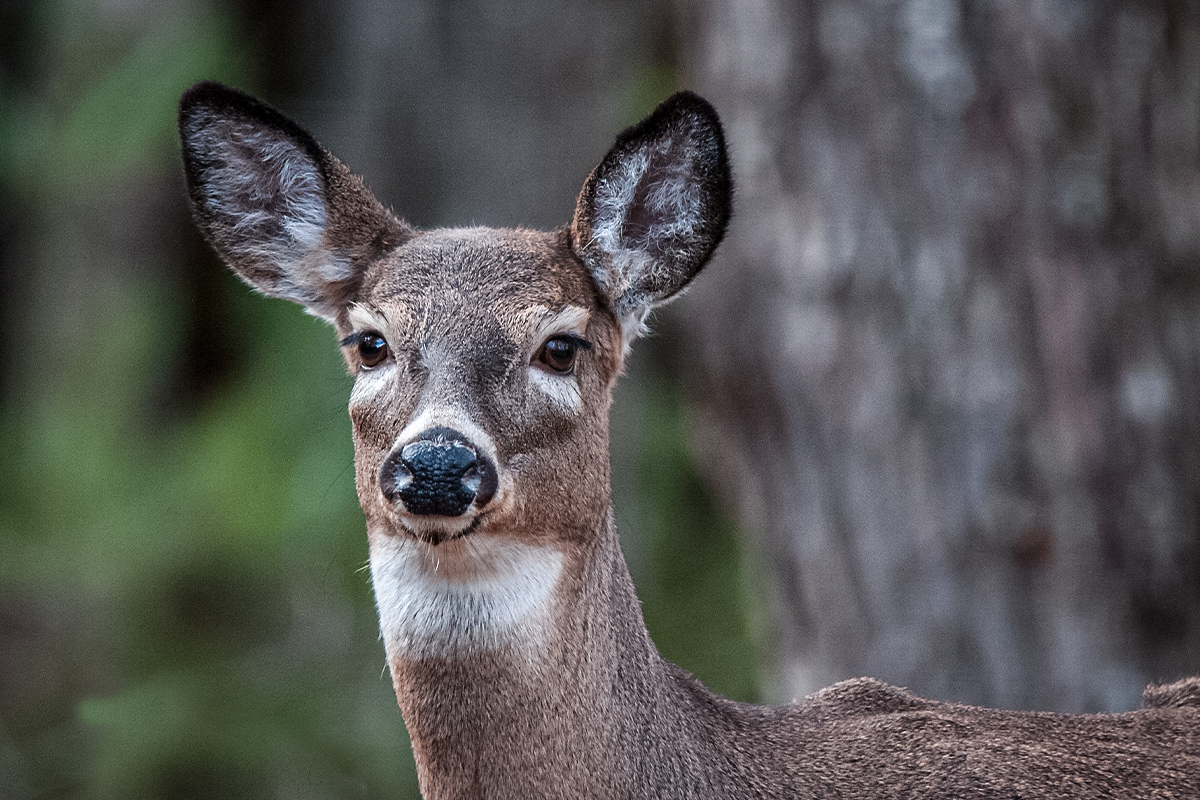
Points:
x=949, y=355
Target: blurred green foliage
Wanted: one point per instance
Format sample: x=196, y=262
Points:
x=183, y=606
x=104, y=108
x=684, y=553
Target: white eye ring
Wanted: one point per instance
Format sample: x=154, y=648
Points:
x=560, y=388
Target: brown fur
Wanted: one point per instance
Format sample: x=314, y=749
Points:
x=518, y=652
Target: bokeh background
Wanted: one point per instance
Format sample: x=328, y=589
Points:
x=932, y=414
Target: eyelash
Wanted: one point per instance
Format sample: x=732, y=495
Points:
x=545, y=358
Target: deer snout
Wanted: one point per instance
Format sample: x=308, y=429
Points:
x=439, y=473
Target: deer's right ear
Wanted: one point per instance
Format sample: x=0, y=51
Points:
x=653, y=211
x=284, y=214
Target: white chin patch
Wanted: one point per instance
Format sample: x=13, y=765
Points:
x=479, y=593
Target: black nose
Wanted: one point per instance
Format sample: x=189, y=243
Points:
x=440, y=472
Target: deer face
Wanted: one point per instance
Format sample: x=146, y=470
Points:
x=483, y=359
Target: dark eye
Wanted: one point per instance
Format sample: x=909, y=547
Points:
x=372, y=348
x=559, y=352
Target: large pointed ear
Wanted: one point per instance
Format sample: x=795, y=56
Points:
x=285, y=215
x=653, y=211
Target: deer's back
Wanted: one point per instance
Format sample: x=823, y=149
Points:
x=865, y=739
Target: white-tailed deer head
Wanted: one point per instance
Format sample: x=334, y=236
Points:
x=484, y=364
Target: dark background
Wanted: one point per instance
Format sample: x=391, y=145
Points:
x=943, y=374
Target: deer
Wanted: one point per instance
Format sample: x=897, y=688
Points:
x=483, y=364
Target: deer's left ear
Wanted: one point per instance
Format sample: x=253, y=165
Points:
x=653, y=211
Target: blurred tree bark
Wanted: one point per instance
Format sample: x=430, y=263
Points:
x=950, y=353
x=465, y=111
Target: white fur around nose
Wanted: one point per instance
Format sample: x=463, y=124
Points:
x=480, y=593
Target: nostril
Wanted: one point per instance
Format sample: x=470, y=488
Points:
x=394, y=476
x=470, y=478
x=487, y=481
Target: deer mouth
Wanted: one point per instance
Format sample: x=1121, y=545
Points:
x=434, y=532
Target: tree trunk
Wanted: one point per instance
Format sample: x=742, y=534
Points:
x=950, y=351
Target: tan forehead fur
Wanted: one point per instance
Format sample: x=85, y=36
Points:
x=529, y=282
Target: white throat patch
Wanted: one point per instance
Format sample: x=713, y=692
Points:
x=474, y=594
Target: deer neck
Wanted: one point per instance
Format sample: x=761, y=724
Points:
x=531, y=669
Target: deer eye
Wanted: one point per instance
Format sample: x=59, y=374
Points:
x=372, y=348
x=558, y=354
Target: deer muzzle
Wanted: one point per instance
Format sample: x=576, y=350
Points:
x=439, y=473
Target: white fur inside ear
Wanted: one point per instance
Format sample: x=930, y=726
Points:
x=647, y=207
x=648, y=200
x=269, y=194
